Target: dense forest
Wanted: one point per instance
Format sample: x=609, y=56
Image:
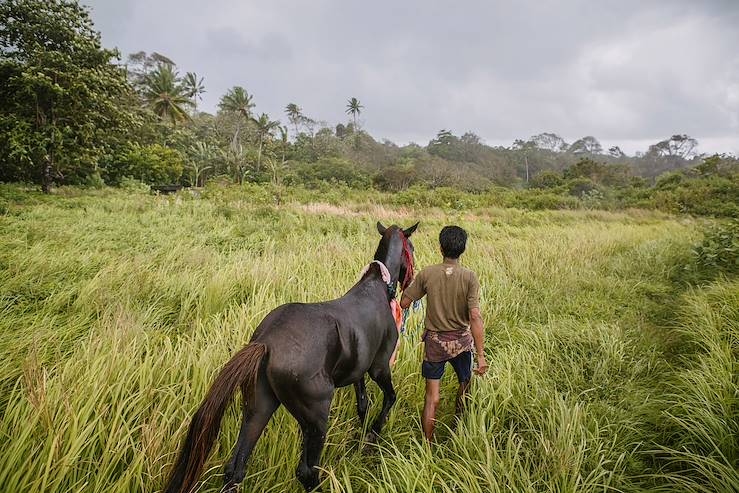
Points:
x=75, y=113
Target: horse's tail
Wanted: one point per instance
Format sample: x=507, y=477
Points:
x=242, y=370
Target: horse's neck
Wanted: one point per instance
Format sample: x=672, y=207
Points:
x=391, y=259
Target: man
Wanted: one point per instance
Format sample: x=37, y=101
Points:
x=453, y=322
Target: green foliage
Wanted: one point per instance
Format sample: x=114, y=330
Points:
x=669, y=181
x=167, y=95
x=546, y=179
x=94, y=180
x=153, y=164
x=719, y=165
x=585, y=145
x=132, y=185
x=237, y=100
x=579, y=186
x=329, y=170
x=602, y=174
x=354, y=108
x=395, y=178
x=67, y=114
x=713, y=196
x=539, y=200
x=719, y=250
x=442, y=197
x=61, y=95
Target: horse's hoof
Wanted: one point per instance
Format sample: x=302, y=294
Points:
x=310, y=479
x=370, y=440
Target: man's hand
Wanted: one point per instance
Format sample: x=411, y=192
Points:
x=479, y=338
x=482, y=365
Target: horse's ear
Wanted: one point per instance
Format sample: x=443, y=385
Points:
x=411, y=230
x=380, y=228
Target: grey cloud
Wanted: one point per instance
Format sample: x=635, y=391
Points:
x=230, y=41
x=631, y=71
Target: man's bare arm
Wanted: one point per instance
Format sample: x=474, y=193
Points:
x=479, y=337
x=405, y=302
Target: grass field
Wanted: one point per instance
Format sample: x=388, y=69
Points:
x=608, y=372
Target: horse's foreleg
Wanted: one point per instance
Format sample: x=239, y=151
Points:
x=254, y=422
x=382, y=377
x=361, y=392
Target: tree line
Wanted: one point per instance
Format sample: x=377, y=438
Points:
x=72, y=112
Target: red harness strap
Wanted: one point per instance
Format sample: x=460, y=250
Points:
x=394, y=304
x=409, y=262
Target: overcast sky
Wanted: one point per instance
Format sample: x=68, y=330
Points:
x=630, y=72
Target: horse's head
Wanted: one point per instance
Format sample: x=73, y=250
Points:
x=396, y=251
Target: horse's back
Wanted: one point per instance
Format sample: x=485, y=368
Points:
x=312, y=342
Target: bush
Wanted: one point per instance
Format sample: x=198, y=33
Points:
x=331, y=170
x=395, y=178
x=152, y=164
x=712, y=196
x=592, y=199
x=538, y=200
x=442, y=197
x=719, y=250
x=580, y=186
x=94, y=180
x=669, y=181
x=546, y=179
x=133, y=185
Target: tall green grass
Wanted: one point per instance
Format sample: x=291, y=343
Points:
x=117, y=310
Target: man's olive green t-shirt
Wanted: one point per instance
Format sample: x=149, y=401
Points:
x=451, y=291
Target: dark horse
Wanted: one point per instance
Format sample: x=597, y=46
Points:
x=299, y=354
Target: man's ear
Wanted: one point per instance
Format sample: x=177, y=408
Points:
x=380, y=228
x=408, y=232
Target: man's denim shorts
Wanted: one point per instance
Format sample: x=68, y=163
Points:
x=462, y=364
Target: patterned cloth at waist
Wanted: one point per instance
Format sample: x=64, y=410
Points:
x=443, y=346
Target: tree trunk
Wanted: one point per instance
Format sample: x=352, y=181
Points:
x=46, y=176
x=49, y=159
x=236, y=134
x=259, y=154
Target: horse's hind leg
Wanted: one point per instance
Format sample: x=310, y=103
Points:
x=361, y=392
x=254, y=422
x=313, y=420
x=381, y=375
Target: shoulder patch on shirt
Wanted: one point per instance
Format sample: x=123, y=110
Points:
x=449, y=270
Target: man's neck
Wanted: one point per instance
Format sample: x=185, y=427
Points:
x=448, y=260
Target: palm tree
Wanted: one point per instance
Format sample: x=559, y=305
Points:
x=236, y=158
x=165, y=95
x=264, y=129
x=294, y=114
x=275, y=166
x=237, y=100
x=354, y=108
x=202, y=154
x=194, y=88
x=283, y=142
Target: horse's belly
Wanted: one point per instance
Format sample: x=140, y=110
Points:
x=350, y=368
x=349, y=378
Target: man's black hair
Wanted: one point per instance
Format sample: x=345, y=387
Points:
x=453, y=241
